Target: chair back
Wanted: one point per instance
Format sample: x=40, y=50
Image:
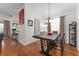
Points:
x=60, y=39
x=56, y=32
x=60, y=43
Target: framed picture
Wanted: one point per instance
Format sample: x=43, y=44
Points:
x=30, y=22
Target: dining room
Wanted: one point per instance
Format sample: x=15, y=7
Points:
x=39, y=29
x=52, y=20
x=45, y=29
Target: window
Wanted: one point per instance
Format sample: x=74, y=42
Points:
x=43, y=28
x=1, y=27
x=55, y=24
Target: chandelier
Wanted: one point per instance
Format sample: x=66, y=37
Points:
x=48, y=18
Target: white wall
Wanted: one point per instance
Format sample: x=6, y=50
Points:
x=3, y=17
x=29, y=30
x=78, y=27
x=32, y=12
x=70, y=15
x=21, y=36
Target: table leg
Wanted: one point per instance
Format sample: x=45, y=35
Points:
x=50, y=45
x=48, y=48
x=62, y=48
x=42, y=48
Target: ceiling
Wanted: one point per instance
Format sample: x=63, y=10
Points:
x=10, y=9
x=55, y=8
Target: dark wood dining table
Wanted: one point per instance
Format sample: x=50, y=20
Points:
x=50, y=42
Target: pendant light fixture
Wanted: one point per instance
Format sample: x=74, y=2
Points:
x=48, y=23
x=48, y=11
x=48, y=18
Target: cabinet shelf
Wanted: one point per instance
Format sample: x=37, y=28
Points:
x=72, y=34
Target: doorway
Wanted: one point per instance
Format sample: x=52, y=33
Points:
x=36, y=26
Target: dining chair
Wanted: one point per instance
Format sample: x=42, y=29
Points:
x=49, y=41
x=56, y=32
x=59, y=43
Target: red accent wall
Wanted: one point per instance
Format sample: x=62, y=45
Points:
x=21, y=17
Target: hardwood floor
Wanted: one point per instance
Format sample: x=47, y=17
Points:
x=14, y=48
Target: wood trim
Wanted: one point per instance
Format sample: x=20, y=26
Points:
x=62, y=24
x=7, y=31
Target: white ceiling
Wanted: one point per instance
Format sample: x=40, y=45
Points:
x=10, y=9
x=42, y=8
